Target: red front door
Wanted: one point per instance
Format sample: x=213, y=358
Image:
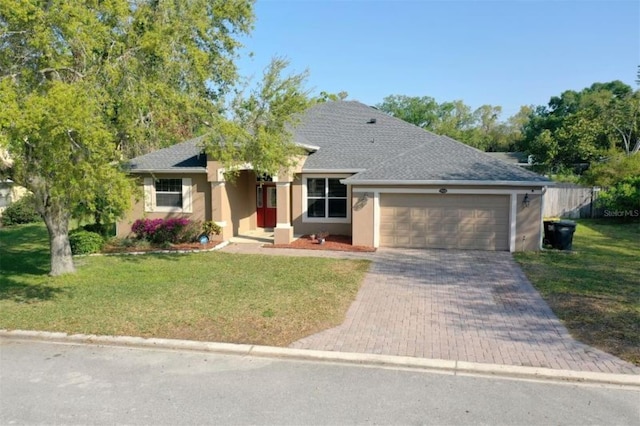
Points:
x=266, y=205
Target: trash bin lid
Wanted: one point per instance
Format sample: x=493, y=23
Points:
x=567, y=223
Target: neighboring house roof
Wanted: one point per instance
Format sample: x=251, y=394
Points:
x=182, y=157
x=511, y=157
x=348, y=136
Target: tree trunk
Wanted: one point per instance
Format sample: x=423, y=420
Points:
x=57, y=221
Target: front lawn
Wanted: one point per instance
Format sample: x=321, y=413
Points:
x=596, y=289
x=270, y=300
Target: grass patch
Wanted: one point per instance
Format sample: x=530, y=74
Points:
x=268, y=300
x=596, y=289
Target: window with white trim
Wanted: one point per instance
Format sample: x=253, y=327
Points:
x=326, y=198
x=167, y=195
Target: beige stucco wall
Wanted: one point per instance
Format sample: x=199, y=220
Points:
x=200, y=201
x=362, y=218
x=242, y=201
x=529, y=223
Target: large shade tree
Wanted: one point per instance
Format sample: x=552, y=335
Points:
x=480, y=128
x=584, y=126
x=84, y=84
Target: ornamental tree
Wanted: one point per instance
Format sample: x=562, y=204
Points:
x=86, y=84
x=260, y=131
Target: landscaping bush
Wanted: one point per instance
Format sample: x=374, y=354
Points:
x=620, y=175
x=166, y=231
x=22, y=211
x=144, y=229
x=106, y=230
x=85, y=242
x=210, y=228
x=622, y=199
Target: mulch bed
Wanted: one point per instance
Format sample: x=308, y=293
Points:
x=332, y=242
x=110, y=249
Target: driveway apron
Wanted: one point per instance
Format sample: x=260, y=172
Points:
x=475, y=306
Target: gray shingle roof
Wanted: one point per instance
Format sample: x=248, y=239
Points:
x=186, y=156
x=353, y=136
x=348, y=141
x=445, y=159
x=394, y=150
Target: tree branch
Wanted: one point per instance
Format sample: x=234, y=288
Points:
x=46, y=71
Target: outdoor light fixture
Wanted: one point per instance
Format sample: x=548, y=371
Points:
x=526, y=201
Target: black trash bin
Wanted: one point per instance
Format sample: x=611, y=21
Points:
x=549, y=233
x=564, y=234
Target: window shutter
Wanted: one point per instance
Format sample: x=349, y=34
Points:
x=186, y=195
x=149, y=195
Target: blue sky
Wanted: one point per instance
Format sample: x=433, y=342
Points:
x=507, y=53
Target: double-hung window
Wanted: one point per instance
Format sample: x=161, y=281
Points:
x=167, y=195
x=326, y=198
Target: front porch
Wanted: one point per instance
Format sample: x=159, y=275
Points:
x=255, y=236
x=250, y=208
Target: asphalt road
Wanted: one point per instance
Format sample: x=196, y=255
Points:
x=56, y=383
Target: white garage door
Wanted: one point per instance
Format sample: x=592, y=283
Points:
x=450, y=221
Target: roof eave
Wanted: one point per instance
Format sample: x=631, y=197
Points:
x=350, y=181
x=308, y=147
x=320, y=170
x=172, y=170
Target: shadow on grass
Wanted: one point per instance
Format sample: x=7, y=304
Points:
x=24, y=249
x=15, y=291
x=139, y=258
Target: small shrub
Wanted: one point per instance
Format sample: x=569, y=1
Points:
x=144, y=229
x=85, y=242
x=190, y=232
x=210, y=228
x=165, y=231
x=22, y=211
x=103, y=229
x=624, y=196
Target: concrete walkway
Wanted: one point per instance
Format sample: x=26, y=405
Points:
x=471, y=306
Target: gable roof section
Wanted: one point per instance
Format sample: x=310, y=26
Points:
x=348, y=141
x=446, y=160
x=394, y=151
x=184, y=157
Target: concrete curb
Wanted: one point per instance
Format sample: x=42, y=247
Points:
x=434, y=365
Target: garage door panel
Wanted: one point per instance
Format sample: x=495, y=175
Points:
x=448, y=221
x=418, y=213
x=420, y=227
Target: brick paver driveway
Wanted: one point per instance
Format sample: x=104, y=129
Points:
x=458, y=305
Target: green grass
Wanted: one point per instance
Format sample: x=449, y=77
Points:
x=270, y=300
x=596, y=289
